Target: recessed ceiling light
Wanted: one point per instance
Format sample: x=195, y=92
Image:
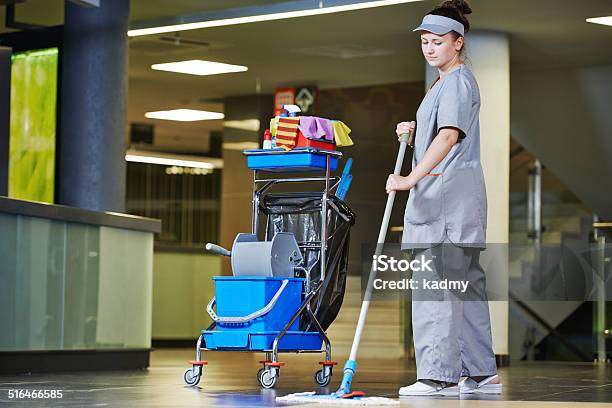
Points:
x=184, y=115
x=195, y=162
x=240, y=145
x=345, y=51
x=251, y=125
x=200, y=21
x=600, y=20
x=199, y=67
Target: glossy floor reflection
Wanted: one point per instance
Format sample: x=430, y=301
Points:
x=229, y=381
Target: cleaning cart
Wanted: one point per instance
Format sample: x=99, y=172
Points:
x=287, y=288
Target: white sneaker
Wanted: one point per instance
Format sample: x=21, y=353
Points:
x=428, y=387
x=469, y=386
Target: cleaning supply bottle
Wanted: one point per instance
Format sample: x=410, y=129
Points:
x=267, y=142
x=292, y=110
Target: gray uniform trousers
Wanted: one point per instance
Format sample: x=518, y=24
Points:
x=452, y=330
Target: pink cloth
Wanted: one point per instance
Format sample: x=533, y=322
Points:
x=316, y=128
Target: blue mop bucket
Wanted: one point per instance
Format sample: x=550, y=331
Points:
x=241, y=296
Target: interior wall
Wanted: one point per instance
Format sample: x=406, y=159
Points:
x=562, y=116
x=521, y=163
x=237, y=179
x=372, y=113
x=182, y=287
x=5, y=101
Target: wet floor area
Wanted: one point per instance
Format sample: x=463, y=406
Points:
x=230, y=381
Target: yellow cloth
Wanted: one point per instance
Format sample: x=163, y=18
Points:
x=273, y=125
x=341, y=134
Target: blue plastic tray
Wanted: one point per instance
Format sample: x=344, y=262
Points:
x=294, y=160
x=243, y=295
x=257, y=341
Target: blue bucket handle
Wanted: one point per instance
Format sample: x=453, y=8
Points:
x=247, y=318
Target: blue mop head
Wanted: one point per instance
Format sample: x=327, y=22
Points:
x=349, y=370
x=344, y=395
x=312, y=397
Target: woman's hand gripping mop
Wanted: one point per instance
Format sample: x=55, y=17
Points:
x=344, y=393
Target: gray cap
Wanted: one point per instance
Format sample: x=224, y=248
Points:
x=440, y=25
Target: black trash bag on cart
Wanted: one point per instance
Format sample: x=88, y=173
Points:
x=300, y=214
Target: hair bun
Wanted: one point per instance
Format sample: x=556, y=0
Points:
x=460, y=5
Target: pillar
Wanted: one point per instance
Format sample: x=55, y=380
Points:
x=488, y=56
x=94, y=107
x=5, y=116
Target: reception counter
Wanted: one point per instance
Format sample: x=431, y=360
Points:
x=75, y=288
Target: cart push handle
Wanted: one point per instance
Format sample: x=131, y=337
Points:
x=217, y=250
x=249, y=317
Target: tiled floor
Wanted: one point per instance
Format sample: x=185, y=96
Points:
x=229, y=381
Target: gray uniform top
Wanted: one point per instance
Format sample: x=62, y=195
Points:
x=452, y=200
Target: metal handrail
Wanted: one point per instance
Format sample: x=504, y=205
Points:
x=602, y=225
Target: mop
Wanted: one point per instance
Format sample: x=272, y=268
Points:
x=312, y=397
x=344, y=395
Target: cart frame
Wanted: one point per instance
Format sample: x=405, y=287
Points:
x=260, y=187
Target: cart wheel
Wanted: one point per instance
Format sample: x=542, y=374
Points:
x=266, y=379
x=321, y=378
x=190, y=379
x=259, y=373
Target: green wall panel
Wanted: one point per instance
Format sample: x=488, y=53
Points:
x=33, y=125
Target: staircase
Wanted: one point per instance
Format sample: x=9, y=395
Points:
x=566, y=228
x=560, y=214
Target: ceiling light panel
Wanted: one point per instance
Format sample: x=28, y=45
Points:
x=240, y=145
x=173, y=160
x=184, y=115
x=600, y=20
x=251, y=125
x=280, y=11
x=199, y=67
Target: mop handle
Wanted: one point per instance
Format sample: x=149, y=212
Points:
x=379, y=244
